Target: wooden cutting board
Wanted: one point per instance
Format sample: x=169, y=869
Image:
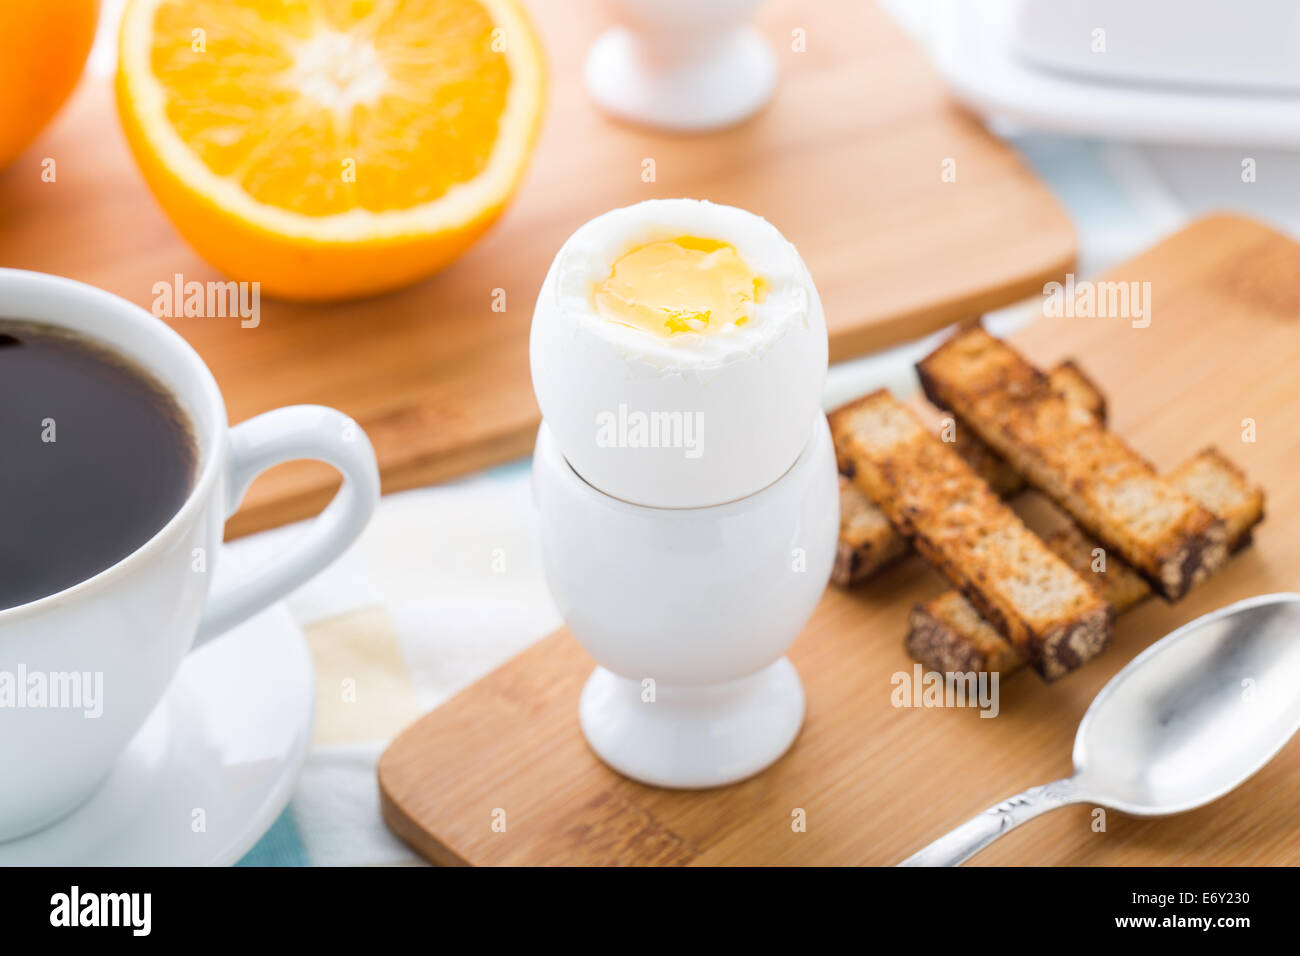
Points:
x=876, y=783
x=846, y=161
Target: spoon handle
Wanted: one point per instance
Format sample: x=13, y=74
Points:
x=981, y=830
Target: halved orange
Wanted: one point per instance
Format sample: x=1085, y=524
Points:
x=330, y=148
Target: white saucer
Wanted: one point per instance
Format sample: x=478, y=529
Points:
x=975, y=50
x=229, y=738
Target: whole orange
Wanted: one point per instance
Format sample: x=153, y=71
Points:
x=43, y=48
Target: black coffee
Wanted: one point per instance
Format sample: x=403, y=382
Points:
x=95, y=457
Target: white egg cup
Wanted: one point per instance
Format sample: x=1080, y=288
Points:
x=685, y=65
x=688, y=612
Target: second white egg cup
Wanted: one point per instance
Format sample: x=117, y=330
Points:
x=689, y=612
x=686, y=65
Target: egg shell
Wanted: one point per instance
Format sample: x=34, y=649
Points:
x=729, y=411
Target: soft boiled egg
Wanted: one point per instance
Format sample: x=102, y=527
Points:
x=678, y=353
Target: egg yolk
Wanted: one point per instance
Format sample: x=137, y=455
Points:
x=679, y=285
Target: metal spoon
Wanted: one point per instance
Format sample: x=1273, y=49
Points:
x=1186, y=721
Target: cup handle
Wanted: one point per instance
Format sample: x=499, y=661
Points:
x=289, y=434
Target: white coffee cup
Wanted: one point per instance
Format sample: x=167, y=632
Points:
x=134, y=622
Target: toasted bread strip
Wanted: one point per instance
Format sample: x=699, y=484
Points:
x=1114, y=580
x=946, y=633
x=935, y=500
x=1223, y=488
x=867, y=542
x=1097, y=479
x=1078, y=389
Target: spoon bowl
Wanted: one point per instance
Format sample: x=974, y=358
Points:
x=1197, y=713
x=1185, y=722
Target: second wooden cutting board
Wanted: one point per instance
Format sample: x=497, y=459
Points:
x=875, y=782
x=909, y=214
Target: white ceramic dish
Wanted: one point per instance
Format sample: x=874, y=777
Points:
x=229, y=739
x=1247, y=45
x=979, y=49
